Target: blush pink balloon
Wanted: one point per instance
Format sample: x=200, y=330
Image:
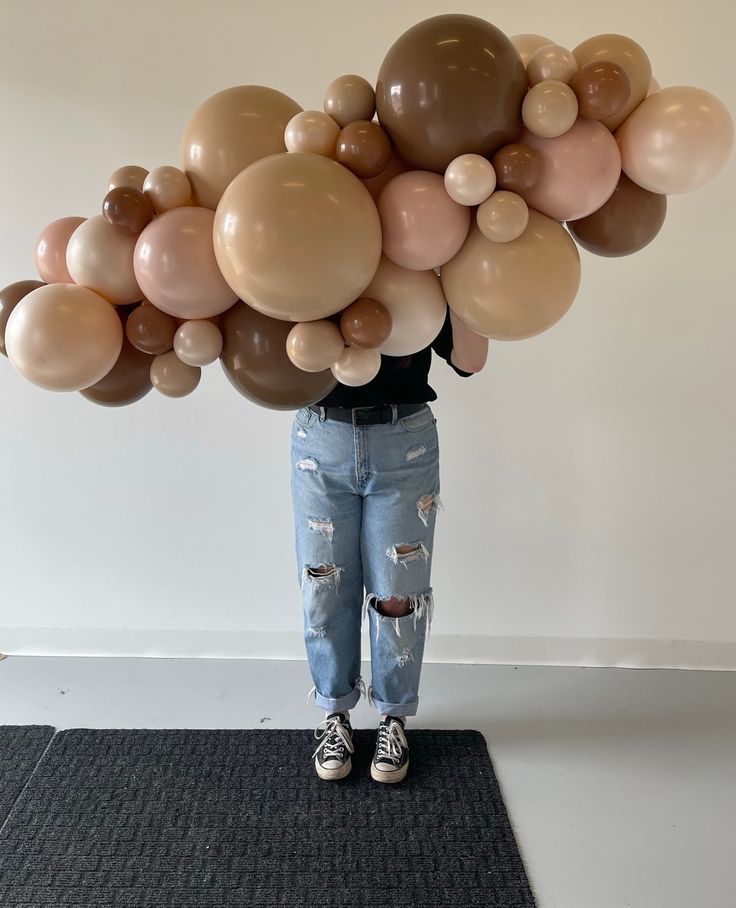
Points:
x=578, y=170
x=49, y=253
x=422, y=226
x=176, y=268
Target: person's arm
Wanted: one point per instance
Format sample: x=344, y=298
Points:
x=469, y=350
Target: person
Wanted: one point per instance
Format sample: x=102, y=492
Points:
x=365, y=491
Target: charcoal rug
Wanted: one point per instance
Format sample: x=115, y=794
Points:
x=21, y=747
x=219, y=818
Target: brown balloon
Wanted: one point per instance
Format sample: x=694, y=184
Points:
x=10, y=296
x=395, y=166
x=256, y=363
x=451, y=85
x=365, y=323
x=602, y=89
x=129, y=379
x=626, y=223
x=127, y=209
x=364, y=148
x=517, y=167
x=150, y=330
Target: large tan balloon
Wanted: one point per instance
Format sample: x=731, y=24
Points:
x=415, y=302
x=677, y=140
x=63, y=337
x=515, y=290
x=198, y=342
x=526, y=45
x=172, y=377
x=297, y=236
x=10, y=296
x=49, y=253
x=627, y=54
x=314, y=346
x=357, y=366
x=100, y=257
x=313, y=132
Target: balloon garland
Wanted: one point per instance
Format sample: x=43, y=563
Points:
x=297, y=246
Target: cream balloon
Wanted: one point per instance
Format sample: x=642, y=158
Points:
x=167, y=187
x=198, y=342
x=172, y=377
x=549, y=109
x=314, y=346
x=470, y=179
x=357, y=365
x=416, y=304
x=526, y=45
x=63, y=337
x=503, y=217
x=551, y=62
x=312, y=131
x=100, y=257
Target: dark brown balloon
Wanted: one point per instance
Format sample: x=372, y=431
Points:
x=602, y=89
x=450, y=85
x=256, y=363
x=127, y=209
x=150, y=330
x=364, y=148
x=10, y=296
x=517, y=167
x=365, y=323
x=626, y=223
x=128, y=381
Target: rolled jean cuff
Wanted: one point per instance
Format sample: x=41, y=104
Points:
x=349, y=701
x=395, y=709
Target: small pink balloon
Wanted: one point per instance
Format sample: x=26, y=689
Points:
x=176, y=268
x=49, y=253
x=422, y=226
x=578, y=170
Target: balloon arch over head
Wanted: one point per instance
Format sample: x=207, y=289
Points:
x=297, y=246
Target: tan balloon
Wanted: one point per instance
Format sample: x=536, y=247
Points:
x=526, y=45
x=229, y=131
x=297, y=236
x=131, y=176
x=415, y=302
x=350, y=98
x=551, y=62
x=313, y=132
x=653, y=87
x=677, y=140
x=503, y=217
x=549, y=109
x=627, y=54
x=357, y=365
x=167, y=187
x=314, y=346
x=63, y=337
x=172, y=377
x=100, y=257
x=49, y=253
x=198, y=342
x=515, y=290
x=470, y=179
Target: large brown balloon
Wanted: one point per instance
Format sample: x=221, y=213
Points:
x=630, y=219
x=129, y=379
x=450, y=85
x=127, y=209
x=150, y=330
x=364, y=148
x=255, y=360
x=517, y=167
x=365, y=323
x=602, y=89
x=10, y=296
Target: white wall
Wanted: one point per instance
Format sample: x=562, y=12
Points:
x=587, y=473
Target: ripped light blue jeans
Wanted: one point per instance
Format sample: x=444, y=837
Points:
x=365, y=503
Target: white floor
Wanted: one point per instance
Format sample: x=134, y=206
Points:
x=620, y=783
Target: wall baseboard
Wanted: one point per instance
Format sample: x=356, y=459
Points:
x=214, y=643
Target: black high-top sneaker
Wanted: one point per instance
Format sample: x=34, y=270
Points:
x=332, y=758
x=391, y=759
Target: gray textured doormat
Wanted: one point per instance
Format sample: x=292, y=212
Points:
x=184, y=818
x=21, y=747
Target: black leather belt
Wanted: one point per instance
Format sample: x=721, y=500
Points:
x=367, y=416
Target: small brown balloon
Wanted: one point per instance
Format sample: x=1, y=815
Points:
x=602, y=89
x=129, y=379
x=150, y=330
x=395, y=166
x=127, y=209
x=364, y=148
x=365, y=323
x=10, y=296
x=172, y=377
x=517, y=167
x=350, y=98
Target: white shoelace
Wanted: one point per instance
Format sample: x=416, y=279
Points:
x=391, y=739
x=332, y=725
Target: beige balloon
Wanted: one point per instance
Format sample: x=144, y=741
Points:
x=198, y=342
x=172, y=377
x=526, y=45
x=314, y=346
x=503, y=217
x=357, y=365
x=167, y=187
x=470, y=179
x=549, y=109
x=627, y=54
x=677, y=140
x=350, y=98
x=551, y=62
x=515, y=290
x=100, y=257
x=653, y=87
x=312, y=131
x=63, y=337
x=416, y=303
x=131, y=176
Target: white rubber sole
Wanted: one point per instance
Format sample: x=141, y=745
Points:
x=396, y=775
x=339, y=773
